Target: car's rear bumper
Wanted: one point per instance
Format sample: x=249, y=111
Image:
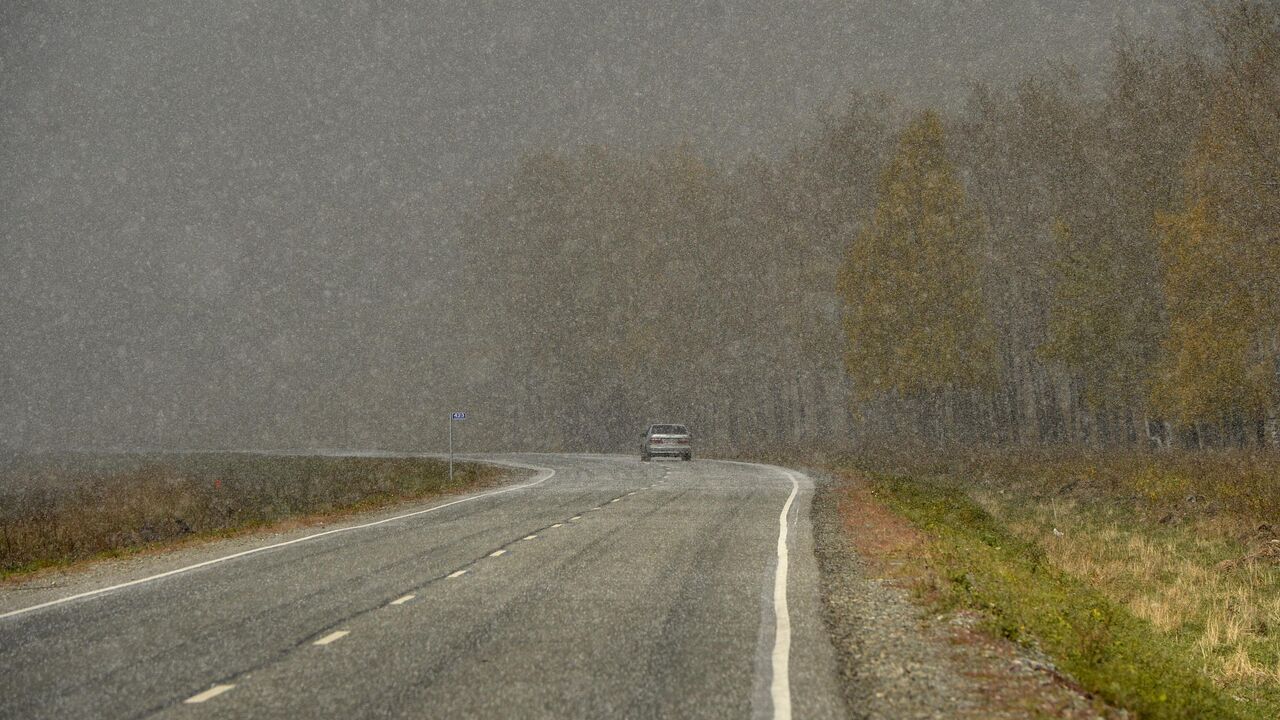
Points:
x=671, y=450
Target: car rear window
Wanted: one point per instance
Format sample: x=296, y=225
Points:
x=669, y=430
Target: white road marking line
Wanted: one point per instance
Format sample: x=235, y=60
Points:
x=457, y=573
x=780, y=657
x=615, y=500
x=557, y=525
x=497, y=553
x=403, y=600
x=576, y=517
x=530, y=537
x=780, y=687
x=544, y=474
x=209, y=694
x=332, y=637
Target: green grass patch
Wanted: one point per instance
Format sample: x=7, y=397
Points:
x=979, y=564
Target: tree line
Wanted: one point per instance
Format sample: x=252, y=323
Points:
x=1051, y=264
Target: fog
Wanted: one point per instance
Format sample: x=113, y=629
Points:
x=236, y=224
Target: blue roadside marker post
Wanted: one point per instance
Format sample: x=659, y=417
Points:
x=453, y=416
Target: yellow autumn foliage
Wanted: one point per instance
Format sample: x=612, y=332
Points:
x=1221, y=258
x=914, y=313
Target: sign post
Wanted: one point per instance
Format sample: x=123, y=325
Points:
x=453, y=416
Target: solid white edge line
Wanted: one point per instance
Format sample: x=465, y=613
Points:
x=209, y=694
x=780, y=684
x=780, y=657
x=332, y=637
x=545, y=475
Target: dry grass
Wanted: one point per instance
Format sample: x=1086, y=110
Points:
x=978, y=563
x=1184, y=543
x=1176, y=581
x=59, y=510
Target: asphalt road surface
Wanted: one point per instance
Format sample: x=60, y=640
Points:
x=599, y=587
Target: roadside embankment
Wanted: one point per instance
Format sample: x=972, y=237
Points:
x=1151, y=581
x=59, y=510
x=903, y=655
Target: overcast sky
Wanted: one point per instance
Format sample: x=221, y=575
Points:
x=214, y=209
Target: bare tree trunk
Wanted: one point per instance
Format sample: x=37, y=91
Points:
x=1161, y=441
x=997, y=423
x=800, y=432
x=949, y=429
x=1048, y=419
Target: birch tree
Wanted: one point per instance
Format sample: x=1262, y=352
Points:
x=914, y=315
x=1222, y=251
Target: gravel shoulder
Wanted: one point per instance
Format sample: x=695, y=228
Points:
x=896, y=659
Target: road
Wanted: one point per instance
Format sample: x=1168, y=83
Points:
x=599, y=587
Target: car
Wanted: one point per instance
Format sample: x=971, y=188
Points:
x=667, y=440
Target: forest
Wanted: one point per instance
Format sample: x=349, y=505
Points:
x=1057, y=263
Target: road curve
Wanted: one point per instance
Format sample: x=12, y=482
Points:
x=599, y=587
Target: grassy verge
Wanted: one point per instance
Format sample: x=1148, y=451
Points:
x=56, y=511
x=977, y=563
x=1186, y=544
